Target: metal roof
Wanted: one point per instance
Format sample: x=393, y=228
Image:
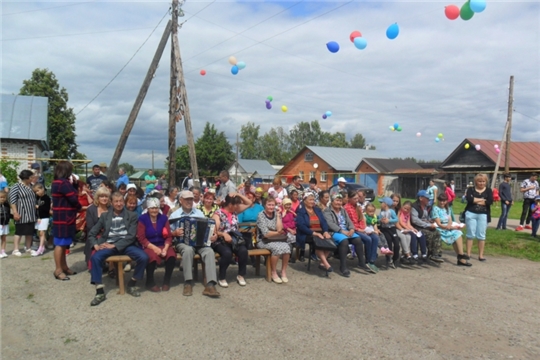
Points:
x=391, y=165
x=523, y=155
x=262, y=167
x=343, y=159
x=24, y=117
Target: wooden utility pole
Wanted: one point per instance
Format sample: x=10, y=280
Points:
x=113, y=166
x=236, y=166
x=509, y=121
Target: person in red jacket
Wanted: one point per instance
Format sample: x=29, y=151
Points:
x=451, y=196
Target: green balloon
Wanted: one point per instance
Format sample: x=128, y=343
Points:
x=271, y=98
x=399, y=128
x=466, y=13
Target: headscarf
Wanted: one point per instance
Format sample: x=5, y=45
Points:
x=152, y=203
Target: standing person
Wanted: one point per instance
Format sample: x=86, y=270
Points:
x=246, y=187
x=23, y=200
x=5, y=215
x=506, y=201
x=150, y=181
x=453, y=186
x=204, y=184
x=188, y=181
x=535, y=208
x=530, y=189
x=450, y=195
x=433, y=192
x=277, y=191
x=122, y=178
x=478, y=214
x=342, y=186
x=95, y=180
x=226, y=186
x=43, y=207
x=3, y=183
x=296, y=185
x=163, y=184
x=39, y=176
x=65, y=207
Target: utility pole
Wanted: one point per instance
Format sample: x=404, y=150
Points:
x=236, y=165
x=174, y=108
x=113, y=166
x=509, y=121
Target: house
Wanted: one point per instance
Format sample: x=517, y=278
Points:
x=327, y=164
x=24, y=129
x=258, y=170
x=390, y=176
x=465, y=162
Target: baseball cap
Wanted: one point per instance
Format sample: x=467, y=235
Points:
x=35, y=166
x=186, y=194
x=341, y=179
x=387, y=200
x=422, y=193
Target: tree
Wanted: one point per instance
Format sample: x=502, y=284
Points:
x=8, y=168
x=61, y=118
x=274, y=146
x=337, y=139
x=304, y=134
x=249, y=148
x=358, y=141
x=128, y=168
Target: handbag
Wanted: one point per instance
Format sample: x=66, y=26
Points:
x=275, y=238
x=324, y=244
x=237, y=239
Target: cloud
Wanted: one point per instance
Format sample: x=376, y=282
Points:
x=437, y=76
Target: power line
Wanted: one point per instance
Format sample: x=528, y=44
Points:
x=43, y=9
x=530, y=117
x=123, y=67
x=198, y=12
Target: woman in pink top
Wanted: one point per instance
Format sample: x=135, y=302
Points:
x=288, y=219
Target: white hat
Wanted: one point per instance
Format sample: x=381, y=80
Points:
x=341, y=179
x=131, y=186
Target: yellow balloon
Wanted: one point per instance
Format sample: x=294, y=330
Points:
x=284, y=108
x=467, y=146
x=232, y=60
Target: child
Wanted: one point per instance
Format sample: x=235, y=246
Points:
x=404, y=224
x=371, y=226
x=388, y=220
x=535, y=217
x=288, y=218
x=43, y=209
x=5, y=214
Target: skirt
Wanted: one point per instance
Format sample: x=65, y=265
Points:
x=62, y=241
x=152, y=256
x=26, y=229
x=277, y=248
x=42, y=224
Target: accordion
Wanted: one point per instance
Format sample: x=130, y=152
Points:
x=197, y=231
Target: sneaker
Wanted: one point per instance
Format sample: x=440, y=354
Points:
x=127, y=268
x=3, y=255
x=350, y=256
x=133, y=291
x=519, y=228
x=436, y=259
x=369, y=269
x=528, y=227
x=314, y=257
x=16, y=252
x=374, y=268
x=27, y=250
x=223, y=283
x=386, y=251
x=391, y=264
x=188, y=290
x=98, y=299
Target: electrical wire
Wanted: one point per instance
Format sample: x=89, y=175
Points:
x=123, y=67
x=527, y=116
x=198, y=12
x=43, y=9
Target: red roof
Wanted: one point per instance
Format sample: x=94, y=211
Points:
x=523, y=155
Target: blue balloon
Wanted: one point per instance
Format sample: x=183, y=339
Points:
x=437, y=139
x=234, y=70
x=396, y=125
x=393, y=31
x=241, y=65
x=477, y=6
x=360, y=43
x=332, y=46
x=328, y=113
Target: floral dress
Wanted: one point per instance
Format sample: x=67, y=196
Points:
x=448, y=236
x=264, y=225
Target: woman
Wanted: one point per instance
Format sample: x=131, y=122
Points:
x=259, y=196
x=172, y=197
x=226, y=219
x=295, y=203
x=208, y=207
x=154, y=235
x=324, y=199
x=449, y=233
x=251, y=214
x=478, y=214
x=269, y=224
x=22, y=200
x=433, y=191
x=65, y=207
x=404, y=238
x=109, y=185
x=310, y=222
x=85, y=199
x=450, y=196
x=246, y=188
x=277, y=191
x=288, y=219
x=102, y=201
x=343, y=232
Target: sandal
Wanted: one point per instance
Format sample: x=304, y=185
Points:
x=61, y=276
x=70, y=272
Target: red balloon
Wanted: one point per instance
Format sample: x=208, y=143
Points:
x=357, y=33
x=203, y=72
x=451, y=12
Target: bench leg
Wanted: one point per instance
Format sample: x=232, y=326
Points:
x=195, y=270
x=120, y=277
x=203, y=268
x=268, y=269
x=258, y=265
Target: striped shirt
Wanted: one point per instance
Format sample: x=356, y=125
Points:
x=530, y=194
x=24, y=199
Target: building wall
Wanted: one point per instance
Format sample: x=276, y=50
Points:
x=24, y=153
x=299, y=166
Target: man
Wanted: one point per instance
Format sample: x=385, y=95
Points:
x=196, y=196
x=226, y=186
x=150, y=181
x=95, y=179
x=187, y=182
x=123, y=178
x=362, y=202
x=40, y=179
x=296, y=185
x=207, y=254
x=246, y=187
x=342, y=187
x=506, y=201
x=119, y=237
x=530, y=189
x=420, y=221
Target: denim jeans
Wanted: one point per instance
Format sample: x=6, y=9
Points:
x=476, y=225
x=535, y=225
x=371, y=243
x=134, y=252
x=505, y=209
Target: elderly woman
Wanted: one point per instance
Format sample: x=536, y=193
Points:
x=227, y=226
x=310, y=222
x=277, y=191
x=343, y=232
x=172, y=197
x=208, y=206
x=101, y=203
x=324, y=199
x=22, y=200
x=478, y=214
x=154, y=235
x=269, y=224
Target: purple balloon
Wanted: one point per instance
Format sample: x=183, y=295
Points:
x=267, y=101
x=324, y=116
x=268, y=105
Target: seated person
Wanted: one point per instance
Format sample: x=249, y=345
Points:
x=188, y=252
x=118, y=228
x=288, y=218
x=154, y=234
x=420, y=220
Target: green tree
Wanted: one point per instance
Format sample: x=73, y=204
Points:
x=182, y=158
x=249, y=135
x=129, y=169
x=61, y=118
x=358, y=141
x=274, y=146
x=214, y=153
x=8, y=168
x=337, y=139
x=303, y=134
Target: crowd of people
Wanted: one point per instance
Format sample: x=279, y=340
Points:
x=122, y=219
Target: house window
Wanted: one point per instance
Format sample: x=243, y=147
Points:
x=457, y=181
x=308, y=156
x=323, y=176
x=311, y=174
x=301, y=174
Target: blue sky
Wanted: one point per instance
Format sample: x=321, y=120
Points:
x=437, y=76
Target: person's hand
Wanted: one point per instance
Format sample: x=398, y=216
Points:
x=156, y=250
x=16, y=216
x=350, y=233
x=384, y=220
x=227, y=237
x=326, y=235
x=433, y=225
x=319, y=235
x=507, y=202
x=213, y=238
x=178, y=232
x=293, y=231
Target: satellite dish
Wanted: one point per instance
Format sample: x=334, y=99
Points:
x=46, y=154
x=315, y=165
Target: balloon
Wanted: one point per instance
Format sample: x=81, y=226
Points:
x=355, y=34
x=399, y=128
x=360, y=43
x=497, y=150
x=241, y=65
x=437, y=139
x=203, y=72
x=440, y=136
x=332, y=46
x=477, y=5
x=477, y=147
x=496, y=146
x=284, y=108
x=396, y=125
x=393, y=31
x=315, y=165
x=467, y=146
x=234, y=70
x=232, y=60
x=418, y=134
x=391, y=128
x=324, y=116
x=451, y=12
x=269, y=98
x=268, y=105
x=328, y=113
x=466, y=13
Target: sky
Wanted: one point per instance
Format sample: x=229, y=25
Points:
x=437, y=76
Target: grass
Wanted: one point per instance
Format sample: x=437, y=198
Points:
x=30, y=296
x=70, y=340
